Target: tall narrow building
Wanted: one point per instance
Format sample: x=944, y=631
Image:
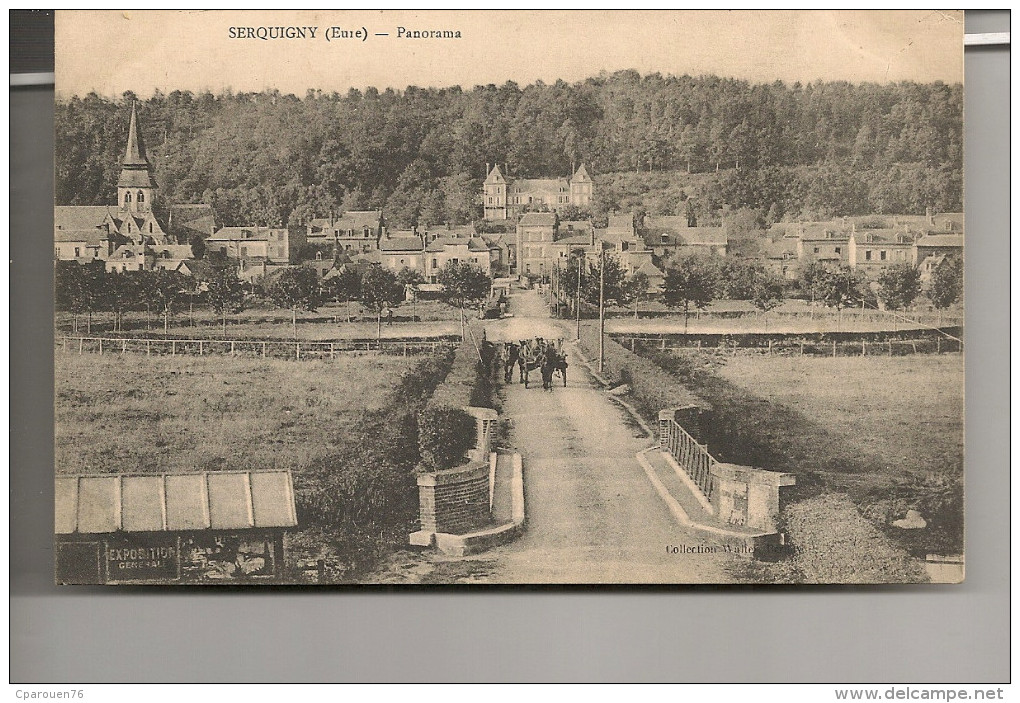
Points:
x=136, y=187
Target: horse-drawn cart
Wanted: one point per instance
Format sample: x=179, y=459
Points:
x=537, y=353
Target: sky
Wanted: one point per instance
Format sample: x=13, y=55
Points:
x=110, y=52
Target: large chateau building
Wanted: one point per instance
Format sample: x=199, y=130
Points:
x=505, y=198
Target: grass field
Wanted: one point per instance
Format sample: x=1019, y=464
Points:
x=887, y=431
x=132, y=414
x=907, y=412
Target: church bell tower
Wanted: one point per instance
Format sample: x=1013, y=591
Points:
x=136, y=186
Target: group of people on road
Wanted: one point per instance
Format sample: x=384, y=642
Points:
x=527, y=355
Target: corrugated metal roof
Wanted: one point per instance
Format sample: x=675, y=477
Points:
x=220, y=500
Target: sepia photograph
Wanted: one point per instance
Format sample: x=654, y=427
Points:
x=479, y=298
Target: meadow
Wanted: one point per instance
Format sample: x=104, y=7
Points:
x=130, y=414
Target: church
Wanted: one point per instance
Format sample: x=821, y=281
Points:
x=131, y=236
x=506, y=198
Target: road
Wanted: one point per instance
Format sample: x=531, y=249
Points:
x=593, y=517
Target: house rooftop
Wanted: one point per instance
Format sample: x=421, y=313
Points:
x=547, y=219
x=402, y=241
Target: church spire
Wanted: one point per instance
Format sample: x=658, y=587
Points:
x=135, y=186
x=134, y=155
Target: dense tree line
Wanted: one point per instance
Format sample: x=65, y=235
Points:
x=271, y=159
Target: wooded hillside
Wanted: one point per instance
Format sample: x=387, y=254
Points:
x=816, y=150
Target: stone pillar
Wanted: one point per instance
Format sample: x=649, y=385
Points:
x=454, y=501
x=747, y=496
x=485, y=424
x=690, y=417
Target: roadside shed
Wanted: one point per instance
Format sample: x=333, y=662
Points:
x=205, y=527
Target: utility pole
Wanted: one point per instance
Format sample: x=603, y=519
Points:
x=577, y=304
x=602, y=308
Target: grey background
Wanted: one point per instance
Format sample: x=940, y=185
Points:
x=930, y=633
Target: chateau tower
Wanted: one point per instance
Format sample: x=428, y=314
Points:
x=581, y=188
x=494, y=194
x=136, y=186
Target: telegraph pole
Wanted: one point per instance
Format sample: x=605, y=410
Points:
x=602, y=308
x=577, y=304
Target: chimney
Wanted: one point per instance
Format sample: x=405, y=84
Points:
x=929, y=216
x=487, y=169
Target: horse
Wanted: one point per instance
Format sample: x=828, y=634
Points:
x=511, y=357
x=528, y=360
x=552, y=362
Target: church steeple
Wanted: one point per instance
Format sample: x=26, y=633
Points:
x=136, y=185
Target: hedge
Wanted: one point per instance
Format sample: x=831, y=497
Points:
x=445, y=431
x=364, y=496
x=651, y=388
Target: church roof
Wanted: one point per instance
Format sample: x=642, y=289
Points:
x=77, y=217
x=92, y=236
x=189, y=219
x=135, y=178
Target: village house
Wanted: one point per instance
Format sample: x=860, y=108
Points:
x=505, y=198
x=252, y=243
x=353, y=231
x=536, y=232
x=780, y=257
x=930, y=250
x=827, y=242
x=871, y=251
x=402, y=249
x=669, y=235
x=474, y=251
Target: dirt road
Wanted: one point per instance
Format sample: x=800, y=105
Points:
x=592, y=514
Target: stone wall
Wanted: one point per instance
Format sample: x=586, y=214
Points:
x=455, y=500
x=751, y=497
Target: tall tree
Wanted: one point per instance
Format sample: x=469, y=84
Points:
x=165, y=289
x=226, y=292
x=690, y=281
x=634, y=290
x=843, y=287
x=411, y=279
x=295, y=288
x=81, y=289
x=900, y=285
x=380, y=290
x=464, y=286
x=946, y=285
x=343, y=286
x=766, y=293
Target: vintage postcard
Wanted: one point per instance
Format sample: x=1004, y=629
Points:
x=579, y=297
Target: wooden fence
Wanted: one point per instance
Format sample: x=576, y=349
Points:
x=833, y=345
x=264, y=349
x=691, y=456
